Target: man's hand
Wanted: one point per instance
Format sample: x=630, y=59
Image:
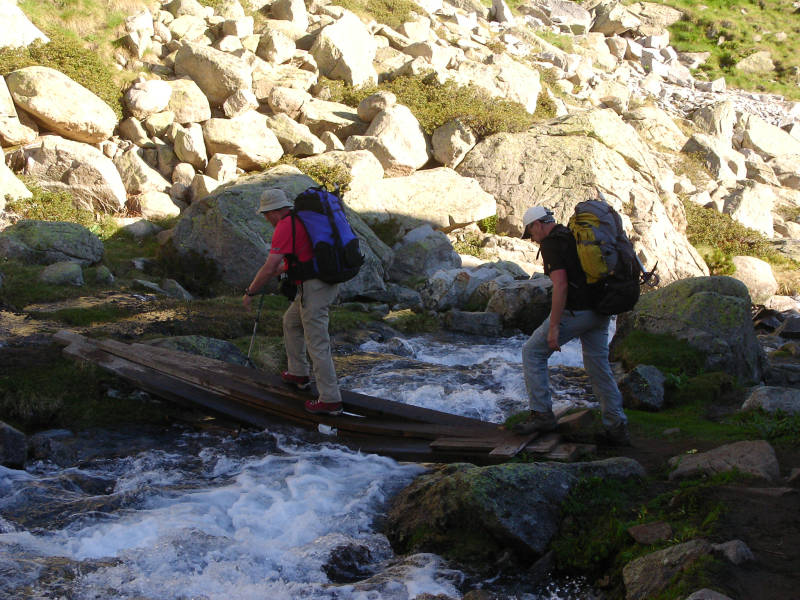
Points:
x=552, y=339
x=247, y=301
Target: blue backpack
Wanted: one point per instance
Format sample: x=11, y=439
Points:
x=337, y=256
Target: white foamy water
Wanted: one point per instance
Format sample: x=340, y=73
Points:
x=261, y=516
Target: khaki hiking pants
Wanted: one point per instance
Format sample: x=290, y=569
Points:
x=305, y=329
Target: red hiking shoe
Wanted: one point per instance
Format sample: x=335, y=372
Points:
x=318, y=407
x=301, y=382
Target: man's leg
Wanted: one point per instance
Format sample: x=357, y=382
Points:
x=294, y=341
x=594, y=341
x=316, y=298
x=535, y=353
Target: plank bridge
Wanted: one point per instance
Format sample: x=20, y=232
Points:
x=368, y=424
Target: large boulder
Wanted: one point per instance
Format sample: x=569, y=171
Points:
x=429, y=515
x=656, y=127
x=137, y=176
x=454, y=288
x=648, y=575
x=13, y=132
x=751, y=204
x=247, y=136
x=188, y=102
x=13, y=444
x=717, y=120
x=226, y=228
x=339, y=119
x=377, y=258
x=17, y=30
x=62, y=105
x=711, y=314
x=345, y=50
x=757, y=275
x=11, y=187
x=766, y=139
x=217, y=73
x=722, y=161
x=559, y=168
x=82, y=170
x=610, y=17
x=773, y=399
x=755, y=458
x=396, y=138
x=144, y=98
x=359, y=164
x=522, y=304
x=49, y=242
x=501, y=77
x=421, y=253
x=439, y=197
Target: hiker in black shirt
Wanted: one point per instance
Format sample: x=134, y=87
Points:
x=571, y=316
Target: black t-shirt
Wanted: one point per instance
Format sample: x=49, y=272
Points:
x=559, y=251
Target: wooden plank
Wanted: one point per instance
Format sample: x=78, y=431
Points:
x=257, y=397
x=465, y=443
x=544, y=443
x=575, y=422
x=512, y=445
x=563, y=452
x=355, y=403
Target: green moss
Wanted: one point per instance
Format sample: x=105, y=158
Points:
x=66, y=53
x=705, y=388
x=344, y=319
x=667, y=353
x=408, y=321
x=69, y=394
x=595, y=518
x=82, y=317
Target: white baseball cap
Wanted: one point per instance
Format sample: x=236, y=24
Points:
x=536, y=213
x=273, y=199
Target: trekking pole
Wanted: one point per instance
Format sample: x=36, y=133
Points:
x=255, y=327
x=649, y=278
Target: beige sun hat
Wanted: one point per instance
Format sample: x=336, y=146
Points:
x=273, y=199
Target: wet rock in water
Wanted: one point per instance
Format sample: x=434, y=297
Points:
x=429, y=514
x=643, y=388
x=13, y=446
x=345, y=563
x=51, y=446
x=790, y=328
x=203, y=346
x=475, y=323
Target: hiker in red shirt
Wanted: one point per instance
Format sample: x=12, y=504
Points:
x=305, y=323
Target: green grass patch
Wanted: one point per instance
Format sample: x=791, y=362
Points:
x=471, y=245
x=389, y=12
x=666, y=352
x=85, y=316
x=488, y=225
x=435, y=104
x=69, y=394
x=342, y=319
x=21, y=285
x=66, y=53
x=732, y=31
x=778, y=428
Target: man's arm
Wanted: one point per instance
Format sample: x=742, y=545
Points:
x=272, y=267
x=559, y=279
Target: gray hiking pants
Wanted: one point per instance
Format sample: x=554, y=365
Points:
x=305, y=328
x=592, y=329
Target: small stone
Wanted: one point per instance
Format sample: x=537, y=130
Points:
x=650, y=533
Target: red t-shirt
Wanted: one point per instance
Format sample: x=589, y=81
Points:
x=282, y=240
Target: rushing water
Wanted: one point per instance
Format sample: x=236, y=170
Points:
x=275, y=514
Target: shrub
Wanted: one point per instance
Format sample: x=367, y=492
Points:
x=488, y=225
x=389, y=12
x=718, y=262
x=707, y=227
x=435, y=104
x=65, y=53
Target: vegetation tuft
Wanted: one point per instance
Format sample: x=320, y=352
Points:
x=434, y=104
x=667, y=353
x=707, y=227
x=66, y=53
x=731, y=31
x=389, y=12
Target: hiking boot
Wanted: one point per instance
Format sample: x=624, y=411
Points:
x=537, y=421
x=301, y=382
x=318, y=407
x=617, y=435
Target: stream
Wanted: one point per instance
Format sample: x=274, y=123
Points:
x=282, y=513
